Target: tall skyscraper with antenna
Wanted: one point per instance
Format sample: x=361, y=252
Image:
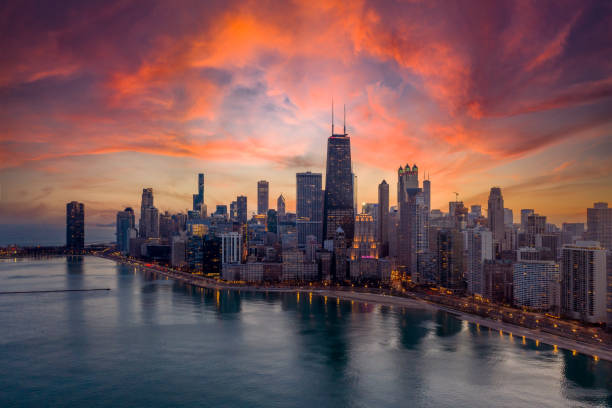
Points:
x=338, y=201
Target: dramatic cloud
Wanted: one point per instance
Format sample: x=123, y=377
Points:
x=242, y=91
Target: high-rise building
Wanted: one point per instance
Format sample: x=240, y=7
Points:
x=583, y=282
x=148, y=226
x=280, y=206
x=599, y=224
x=382, y=233
x=272, y=221
x=497, y=280
x=198, y=199
x=309, y=207
x=427, y=193
x=364, y=242
x=525, y=212
x=233, y=212
x=150, y=223
x=125, y=228
x=263, y=188
x=536, y=224
x=508, y=217
x=450, y=259
x=75, y=226
x=231, y=248
x=572, y=232
x=413, y=214
x=241, y=209
x=339, y=199
x=495, y=213
x=480, y=249
x=533, y=284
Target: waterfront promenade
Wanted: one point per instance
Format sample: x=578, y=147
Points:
x=597, y=351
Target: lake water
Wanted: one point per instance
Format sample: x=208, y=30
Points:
x=158, y=343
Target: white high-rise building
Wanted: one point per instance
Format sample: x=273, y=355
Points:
x=583, y=282
x=231, y=248
x=534, y=284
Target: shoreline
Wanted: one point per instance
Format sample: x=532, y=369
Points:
x=594, y=351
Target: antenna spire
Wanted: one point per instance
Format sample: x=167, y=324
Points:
x=332, y=115
x=345, y=119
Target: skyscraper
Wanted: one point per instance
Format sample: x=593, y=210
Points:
x=449, y=258
x=427, y=193
x=262, y=196
x=338, y=205
x=125, y=226
x=495, y=213
x=599, y=224
x=148, y=226
x=583, y=282
x=75, y=226
x=412, y=227
x=280, y=206
x=508, y=217
x=198, y=199
x=525, y=212
x=480, y=249
x=309, y=207
x=241, y=209
x=382, y=233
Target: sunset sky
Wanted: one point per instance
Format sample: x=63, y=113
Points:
x=101, y=99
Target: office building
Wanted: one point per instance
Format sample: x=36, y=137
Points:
x=75, y=226
x=427, y=193
x=495, y=214
x=198, y=199
x=449, y=260
x=382, y=227
x=599, y=224
x=364, y=242
x=497, y=280
x=339, y=199
x=125, y=229
x=572, y=232
x=241, y=209
x=479, y=250
x=280, y=206
x=525, y=212
x=413, y=222
x=309, y=207
x=263, y=188
x=272, y=221
x=584, y=282
x=508, y=217
x=148, y=226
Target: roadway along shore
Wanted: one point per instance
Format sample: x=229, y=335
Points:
x=600, y=351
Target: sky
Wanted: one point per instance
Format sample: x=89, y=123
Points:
x=103, y=98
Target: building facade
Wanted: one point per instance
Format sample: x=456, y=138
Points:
x=309, y=207
x=584, y=282
x=263, y=196
x=75, y=226
x=382, y=228
x=338, y=201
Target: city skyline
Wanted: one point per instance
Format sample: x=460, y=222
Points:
x=96, y=118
